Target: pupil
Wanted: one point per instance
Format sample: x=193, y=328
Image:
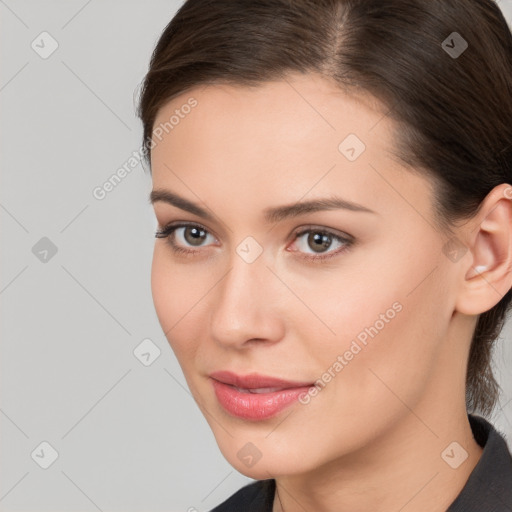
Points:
x=321, y=240
x=196, y=235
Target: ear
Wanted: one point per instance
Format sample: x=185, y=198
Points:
x=487, y=275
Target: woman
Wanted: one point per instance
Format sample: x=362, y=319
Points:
x=331, y=180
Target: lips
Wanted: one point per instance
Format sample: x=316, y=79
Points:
x=257, y=390
x=255, y=381
x=255, y=397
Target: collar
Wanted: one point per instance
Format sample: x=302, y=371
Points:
x=489, y=486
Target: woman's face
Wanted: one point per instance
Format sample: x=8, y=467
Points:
x=368, y=319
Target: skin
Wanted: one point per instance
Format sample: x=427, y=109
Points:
x=372, y=438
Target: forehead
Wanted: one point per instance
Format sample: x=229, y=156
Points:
x=276, y=142
x=300, y=104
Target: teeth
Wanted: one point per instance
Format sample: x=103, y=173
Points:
x=258, y=390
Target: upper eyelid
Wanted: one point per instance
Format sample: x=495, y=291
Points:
x=181, y=224
x=296, y=232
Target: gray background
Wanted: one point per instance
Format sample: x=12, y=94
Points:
x=129, y=437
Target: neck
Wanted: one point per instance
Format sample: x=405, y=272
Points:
x=401, y=470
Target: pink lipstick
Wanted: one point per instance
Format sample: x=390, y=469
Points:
x=255, y=397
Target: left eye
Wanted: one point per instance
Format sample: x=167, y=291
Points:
x=319, y=242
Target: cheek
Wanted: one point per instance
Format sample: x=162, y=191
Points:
x=176, y=303
x=387, y=337
x=163, y=286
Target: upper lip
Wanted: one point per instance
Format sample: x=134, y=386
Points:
x=255, y=381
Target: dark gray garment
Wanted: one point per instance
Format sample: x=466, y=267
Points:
x=488, y=489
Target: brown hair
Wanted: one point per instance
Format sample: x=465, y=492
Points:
x=453, y=112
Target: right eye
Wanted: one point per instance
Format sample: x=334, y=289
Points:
x=187, y=233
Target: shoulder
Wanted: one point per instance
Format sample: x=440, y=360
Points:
x=254, y=497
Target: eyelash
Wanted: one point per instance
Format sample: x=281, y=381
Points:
x=168, y=232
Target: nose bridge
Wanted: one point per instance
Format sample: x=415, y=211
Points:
x=241, y=307
x=242, y=288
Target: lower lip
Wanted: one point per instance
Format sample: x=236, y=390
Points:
x=255, y=406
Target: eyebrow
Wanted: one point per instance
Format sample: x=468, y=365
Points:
x=271, y=215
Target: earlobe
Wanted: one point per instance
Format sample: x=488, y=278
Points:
x=488, y=275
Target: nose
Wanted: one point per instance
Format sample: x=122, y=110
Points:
x=246, y=305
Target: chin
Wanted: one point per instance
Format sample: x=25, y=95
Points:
x=262, y=470
x=266, y=462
